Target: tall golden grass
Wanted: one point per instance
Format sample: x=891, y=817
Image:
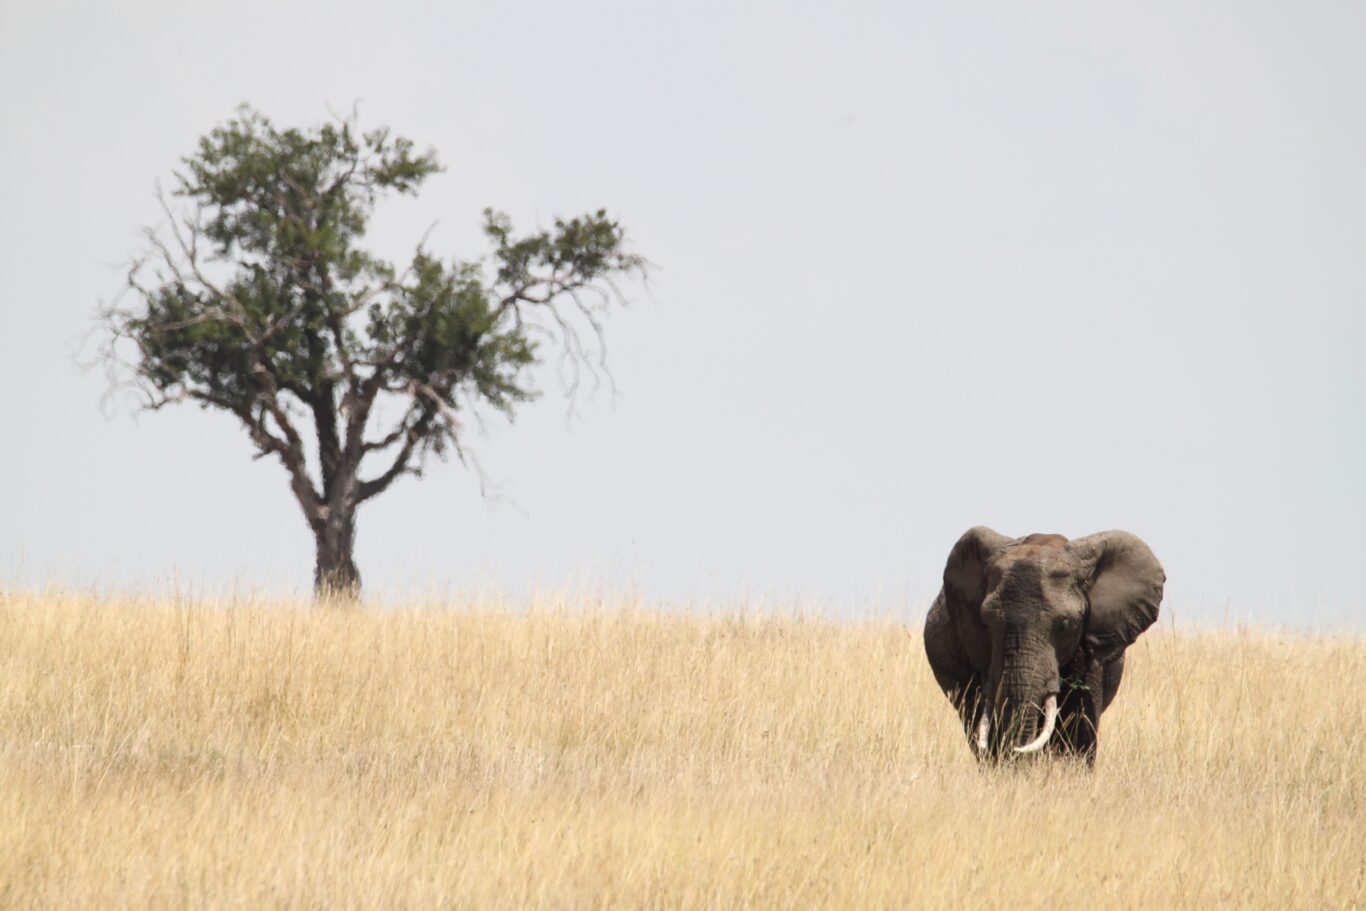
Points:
x=155, y=753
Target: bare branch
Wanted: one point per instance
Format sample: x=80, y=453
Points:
x=190, y=251
x=391, y=438
x=416, y=436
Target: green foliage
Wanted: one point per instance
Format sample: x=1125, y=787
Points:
x=263, y=303
x=294, y=193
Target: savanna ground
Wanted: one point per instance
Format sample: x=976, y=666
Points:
x=160, y=753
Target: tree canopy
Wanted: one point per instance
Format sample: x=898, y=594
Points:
x=258, y=300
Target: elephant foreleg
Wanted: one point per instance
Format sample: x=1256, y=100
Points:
x=1084, y=698
x=1110, y=677
x=971, y=705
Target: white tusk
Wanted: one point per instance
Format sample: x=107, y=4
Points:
x=1050, y=718
x=983, y=732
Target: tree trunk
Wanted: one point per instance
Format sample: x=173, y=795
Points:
x=335, y=576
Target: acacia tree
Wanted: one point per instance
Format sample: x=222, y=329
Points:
x=257, y=300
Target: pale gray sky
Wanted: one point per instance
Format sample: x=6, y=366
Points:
x=1048, y=267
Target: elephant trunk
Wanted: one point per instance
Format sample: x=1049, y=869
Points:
x=1023, y=720
x=1050, y=720
x=1027, y=685
x=1025, y=729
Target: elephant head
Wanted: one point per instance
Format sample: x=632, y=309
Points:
x=1027, y=636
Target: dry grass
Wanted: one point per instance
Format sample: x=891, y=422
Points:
x=155, y=754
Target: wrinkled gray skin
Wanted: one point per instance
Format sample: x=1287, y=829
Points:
x=1019, y=619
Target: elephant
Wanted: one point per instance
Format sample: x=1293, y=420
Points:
x=1027, y=635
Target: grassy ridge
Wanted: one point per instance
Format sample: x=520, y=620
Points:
x=156, y=754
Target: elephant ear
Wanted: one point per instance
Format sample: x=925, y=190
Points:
x=1124, y=587
x=965, y=585
x=965, y=574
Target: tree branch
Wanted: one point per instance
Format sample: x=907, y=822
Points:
x=413, y=436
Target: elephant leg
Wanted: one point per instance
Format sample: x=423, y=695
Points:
x=971, y=707
x=1083, y=700
x=1093, y=703
x=1075, y=736
x=1112, y=674
x=1098, y=687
